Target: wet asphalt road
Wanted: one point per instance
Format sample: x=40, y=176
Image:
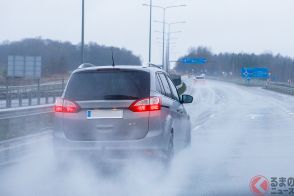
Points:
x=238, y=132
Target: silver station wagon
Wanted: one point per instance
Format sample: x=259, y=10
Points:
x=115, y=113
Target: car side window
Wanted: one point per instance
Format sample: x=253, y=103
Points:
x=165, y=84
x=173, y=89
x=159, y=86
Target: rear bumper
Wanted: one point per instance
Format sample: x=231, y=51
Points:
x=152, y=146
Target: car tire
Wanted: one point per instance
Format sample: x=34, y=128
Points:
x=188, y=144
x=170, y=151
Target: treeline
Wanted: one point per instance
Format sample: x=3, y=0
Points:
x=281, y=67
x=60, y=57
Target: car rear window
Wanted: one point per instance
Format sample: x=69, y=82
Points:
x=110, y=84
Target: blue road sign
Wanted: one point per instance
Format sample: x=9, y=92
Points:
x=188, y=60
x=250, y=73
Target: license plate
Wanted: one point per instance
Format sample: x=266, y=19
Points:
x=96, y=114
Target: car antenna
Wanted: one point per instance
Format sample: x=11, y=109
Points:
x=113, y=64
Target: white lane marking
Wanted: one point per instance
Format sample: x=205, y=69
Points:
x=212, y=116
x=254, y=116
x=196, y=128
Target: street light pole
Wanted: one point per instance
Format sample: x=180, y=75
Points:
x=167, y=53
x=83, y=36
x=168, y=49
x=150, y=33
x=164, y=13
x=168, y=43
x=163, y=39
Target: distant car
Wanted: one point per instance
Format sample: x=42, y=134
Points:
x=200, y=79
x=120, y=112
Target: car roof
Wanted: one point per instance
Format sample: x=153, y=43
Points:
x=90, y=67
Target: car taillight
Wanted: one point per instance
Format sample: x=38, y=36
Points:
x=66, y=106
x=146, y=104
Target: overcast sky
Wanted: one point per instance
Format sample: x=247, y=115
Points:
x=223, y=25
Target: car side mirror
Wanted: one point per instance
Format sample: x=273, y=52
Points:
x=186, y=99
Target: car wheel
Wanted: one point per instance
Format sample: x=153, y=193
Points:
x=170, y=152
x=188, y=144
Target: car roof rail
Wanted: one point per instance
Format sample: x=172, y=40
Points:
x=85, y=65
x=153, y=65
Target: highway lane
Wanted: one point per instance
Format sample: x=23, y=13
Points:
x=238, y=133
x=248, y=132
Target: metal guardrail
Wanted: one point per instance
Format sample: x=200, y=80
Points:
x=280, y=87
x=239, y=81
x=18, y=96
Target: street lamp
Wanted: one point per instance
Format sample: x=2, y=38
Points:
x=168, y=41
x=83, y=36
x=163, y=22
x=150, y=31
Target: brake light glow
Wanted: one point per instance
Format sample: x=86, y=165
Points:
x=65, y=106
x=146, y=104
